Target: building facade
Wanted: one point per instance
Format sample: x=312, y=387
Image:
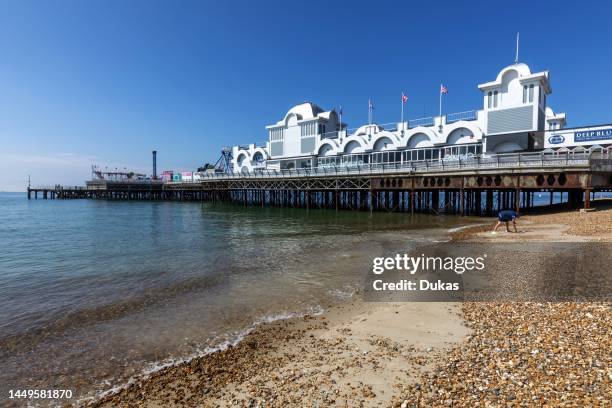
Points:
x=515, y=117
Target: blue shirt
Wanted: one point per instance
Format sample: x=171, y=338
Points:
x=507, y=215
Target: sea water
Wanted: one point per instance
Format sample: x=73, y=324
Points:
x=93, y=293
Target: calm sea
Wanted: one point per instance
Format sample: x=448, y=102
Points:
x=93, y=293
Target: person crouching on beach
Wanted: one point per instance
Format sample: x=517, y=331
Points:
x=506, y=216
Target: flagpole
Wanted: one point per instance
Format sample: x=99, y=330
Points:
x=440, y=91
x=340, y=121
x=402, y=116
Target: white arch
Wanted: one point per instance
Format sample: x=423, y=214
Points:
x=510, y=80
x=359, y=140
x=427, y=141
x=261, y=150
x=392, y=141
x=419, y=140
x=469, y=125
x=332, y=143
x=383, y=143
x=241, y=157
x=257, y=159
x=326, y=149
x=353, y=147
x=521, y=70
x=460, y=136
x=291, y=119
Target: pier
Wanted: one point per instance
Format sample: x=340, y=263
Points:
x=474, y=186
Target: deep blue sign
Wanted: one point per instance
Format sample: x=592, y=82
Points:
x=556, y=139
x=592, y=135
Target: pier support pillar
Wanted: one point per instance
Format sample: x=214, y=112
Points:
x=336, y=199
x=435, y=201
x=517, y=200
x=587, y=199
x=489, y=204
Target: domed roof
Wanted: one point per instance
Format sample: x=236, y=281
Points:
x=524, y=74
x=306, y=110
x=522, y=69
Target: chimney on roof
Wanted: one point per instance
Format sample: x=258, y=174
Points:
x=154, y=164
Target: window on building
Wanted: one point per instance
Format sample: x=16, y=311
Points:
x=531, y=93
x=489, y=99
x=495, y=99
x=524, y=93
x=276, y=135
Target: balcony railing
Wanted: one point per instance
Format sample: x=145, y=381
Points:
x=329, y=135
x=412, y=123
x=456, y=117
x=482, y=162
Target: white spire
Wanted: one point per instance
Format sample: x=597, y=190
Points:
x=516, y=56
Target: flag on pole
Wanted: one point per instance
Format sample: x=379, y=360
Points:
x=443, y=89
x=404, y=100
x=370, y=104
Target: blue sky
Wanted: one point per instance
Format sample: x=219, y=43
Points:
x=105, y=82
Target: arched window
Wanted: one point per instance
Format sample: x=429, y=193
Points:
x=531, y=93
x=489, y=99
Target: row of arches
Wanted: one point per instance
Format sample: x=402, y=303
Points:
x=384, y=141
x=251, y=159
x=373, y=138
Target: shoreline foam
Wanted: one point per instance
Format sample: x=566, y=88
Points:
x=173, y=362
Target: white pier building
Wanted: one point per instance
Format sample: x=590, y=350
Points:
x=514, y=117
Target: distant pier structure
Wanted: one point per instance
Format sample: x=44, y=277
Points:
x=473, y=162
x=473, y=186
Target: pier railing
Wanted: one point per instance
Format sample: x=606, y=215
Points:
x=586, y=160
x=483, y=162
x=59, y=187
x=456, y=117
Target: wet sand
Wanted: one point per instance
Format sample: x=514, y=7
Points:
x=413, y=354
x=356, y=354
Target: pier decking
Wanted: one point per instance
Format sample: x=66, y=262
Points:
x=474, y=186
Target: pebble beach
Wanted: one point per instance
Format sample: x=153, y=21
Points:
x=425, y=354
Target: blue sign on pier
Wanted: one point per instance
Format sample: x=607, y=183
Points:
x=593, y=135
